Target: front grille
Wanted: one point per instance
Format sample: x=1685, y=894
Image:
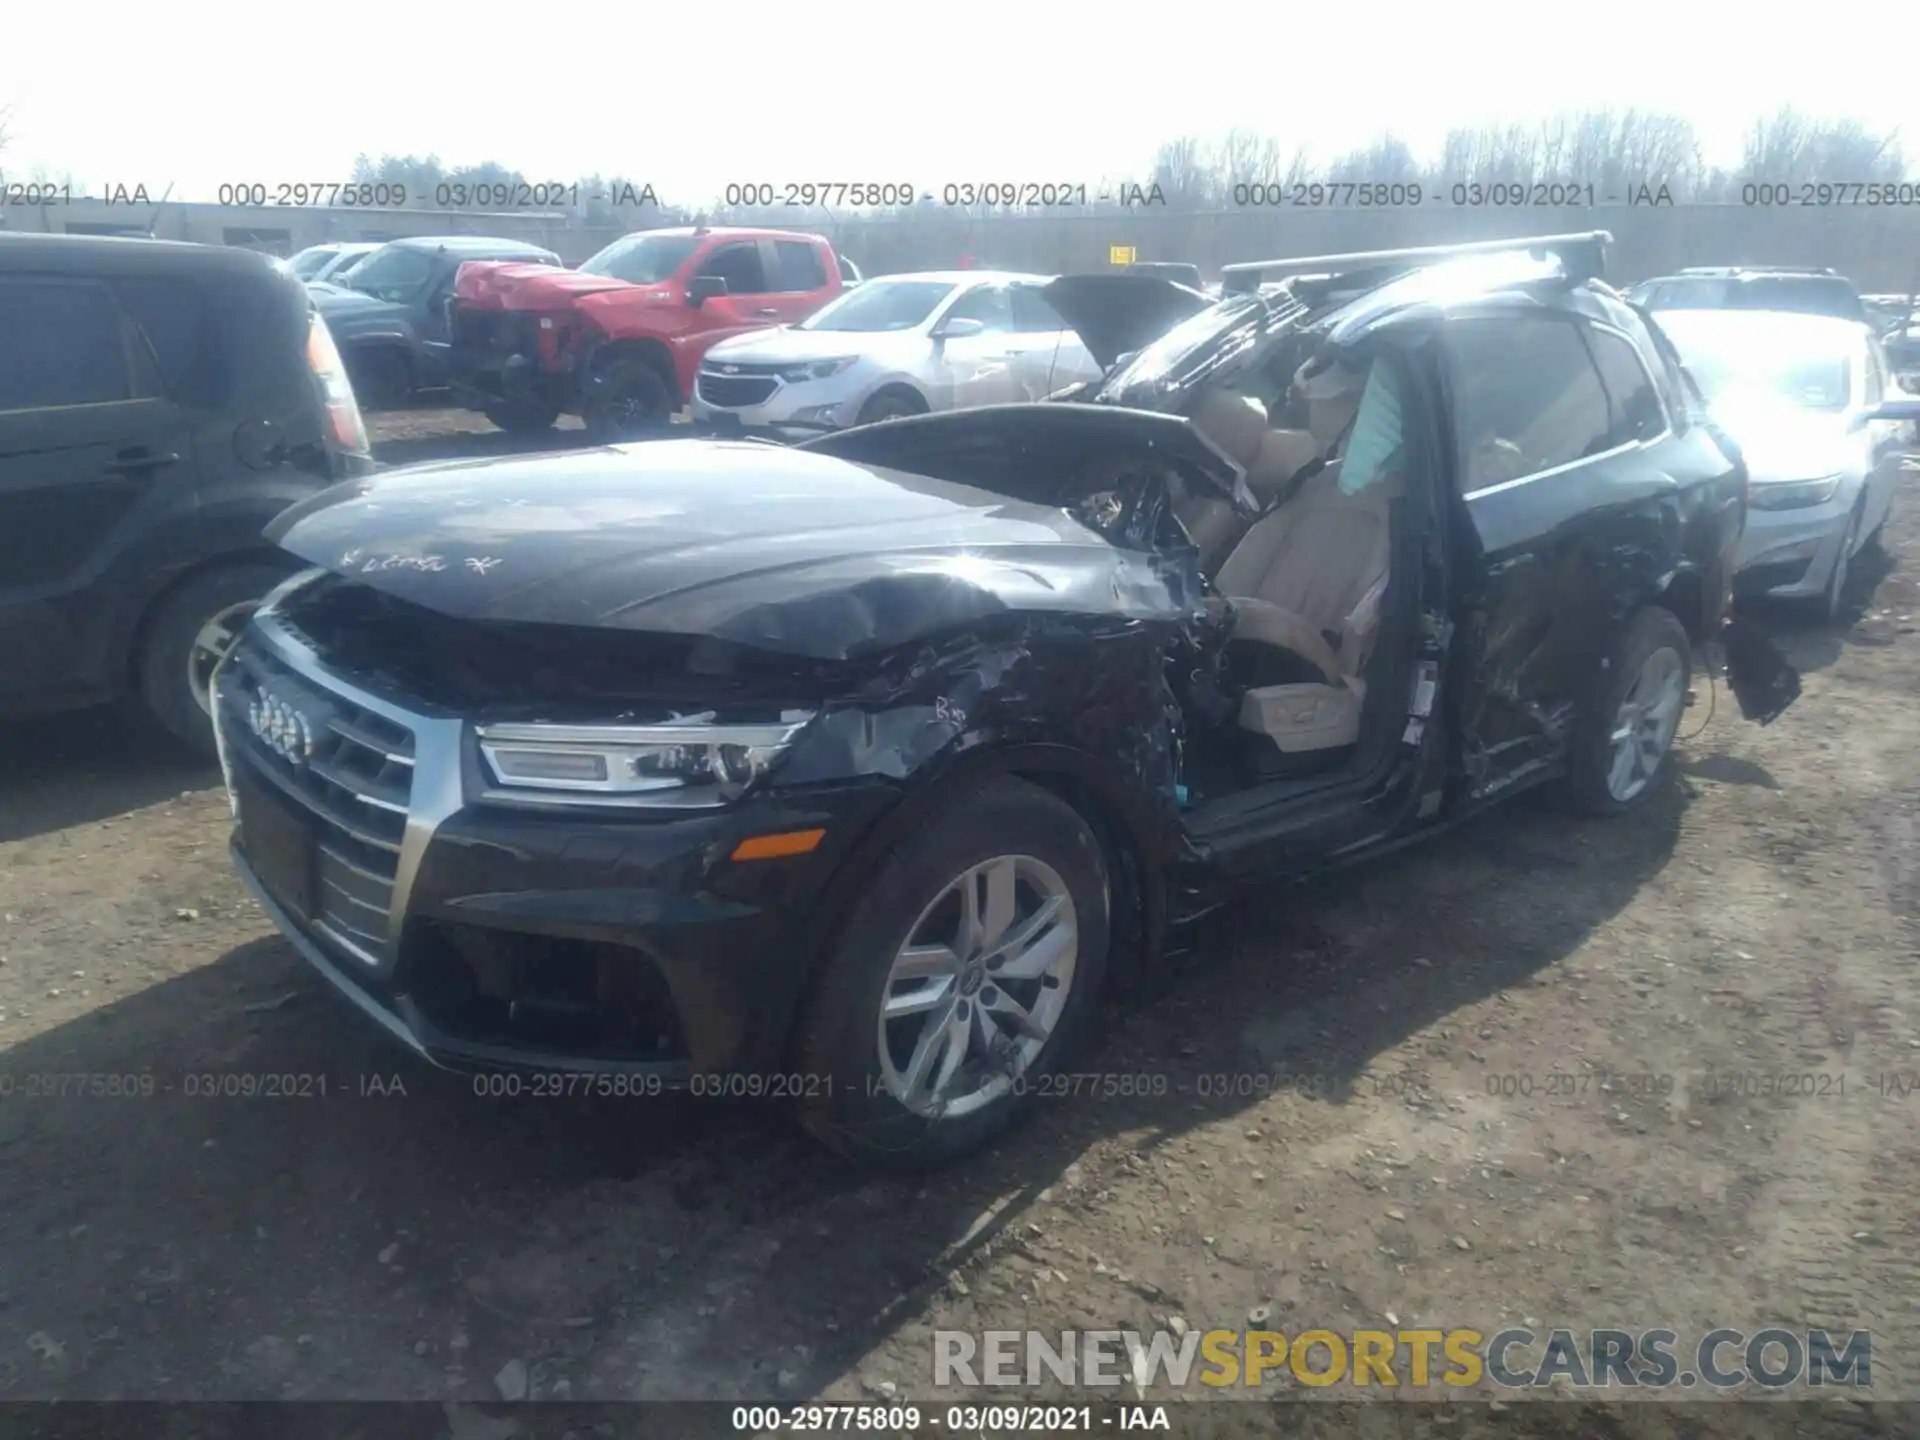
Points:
x=735, y=391
x=354, y=782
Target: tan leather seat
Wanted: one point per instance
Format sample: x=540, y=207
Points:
x=1309, y=579
x=1237, y=426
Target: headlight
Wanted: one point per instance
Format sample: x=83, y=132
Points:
x=1792, y=494
x=817, y=369
x=688, y=762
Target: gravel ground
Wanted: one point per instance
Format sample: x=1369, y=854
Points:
x=400, y=1237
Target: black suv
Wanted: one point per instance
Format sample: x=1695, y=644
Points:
x=1744, y=287
x=861, y=766
x=159, y=403
x=390, y=316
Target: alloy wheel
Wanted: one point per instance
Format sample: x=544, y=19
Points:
x=976, y=991
x=1644, y=725
x=210, y=646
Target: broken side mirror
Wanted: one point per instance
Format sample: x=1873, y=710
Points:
x=702, y=288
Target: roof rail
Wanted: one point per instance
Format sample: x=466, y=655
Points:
x=1731, y=270
x=1583, y=253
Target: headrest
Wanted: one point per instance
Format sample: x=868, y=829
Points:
x=1235, y=423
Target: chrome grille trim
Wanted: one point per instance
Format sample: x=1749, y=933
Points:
x=400, y=767
x=734, y=392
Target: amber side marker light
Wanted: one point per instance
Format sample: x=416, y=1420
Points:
x=777, y=847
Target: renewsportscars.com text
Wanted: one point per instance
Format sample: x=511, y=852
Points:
x=1513, y=1358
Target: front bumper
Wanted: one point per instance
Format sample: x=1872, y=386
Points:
x=765, y=403
x=484, y=936
x=1790, y=554
x=477, y=379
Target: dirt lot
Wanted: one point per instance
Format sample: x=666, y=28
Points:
x=399, y=1237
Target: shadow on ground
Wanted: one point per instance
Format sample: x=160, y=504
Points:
x=63, y=770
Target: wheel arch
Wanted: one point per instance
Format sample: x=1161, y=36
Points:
x=649, y=351
x=1685, y=594
x=1136, y=876
x=136, y=635
x=901, y=389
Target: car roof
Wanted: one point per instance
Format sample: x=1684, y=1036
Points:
x=123, y=254
x=1513, y=280
x=469, y=244
x=1729, y=270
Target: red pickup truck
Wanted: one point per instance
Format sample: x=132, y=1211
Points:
x=618, y=340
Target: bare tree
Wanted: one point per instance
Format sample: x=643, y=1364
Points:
x=1788, y=146
x=1385, y=158
x=1185, y=174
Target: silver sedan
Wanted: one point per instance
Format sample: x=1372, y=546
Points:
x=897, y=345
x=1822, y=426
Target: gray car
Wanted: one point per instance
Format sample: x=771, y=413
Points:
x=897, y=345
x=1809, y=401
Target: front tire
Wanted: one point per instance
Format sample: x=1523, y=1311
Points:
x=889, y=405
x=382, y=378
x=1623, y=740
x=185, y=640
x=964, y=977
x=633, y=401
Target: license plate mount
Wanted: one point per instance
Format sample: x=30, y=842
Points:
x=277, y=845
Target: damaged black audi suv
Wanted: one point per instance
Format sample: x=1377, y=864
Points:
x=862, y=767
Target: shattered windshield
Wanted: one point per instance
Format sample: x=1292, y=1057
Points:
x=1213, y=338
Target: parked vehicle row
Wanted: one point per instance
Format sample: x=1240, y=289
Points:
x=619, y=340
x=873, y=759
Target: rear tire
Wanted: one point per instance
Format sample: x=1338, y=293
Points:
x=1655, y=655
x=382, y=378
x=1058, y=891
x=519, y=417
x=184, y=638
x=633, y=402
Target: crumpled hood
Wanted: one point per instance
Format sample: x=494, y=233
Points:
x=1780, y=441
x=518, y=285
x=1117, y=313
x=757, y=544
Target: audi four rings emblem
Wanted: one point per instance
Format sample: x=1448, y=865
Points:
x=283, y=728
x=730, y=369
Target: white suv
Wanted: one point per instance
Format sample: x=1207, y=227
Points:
x=897, y=345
